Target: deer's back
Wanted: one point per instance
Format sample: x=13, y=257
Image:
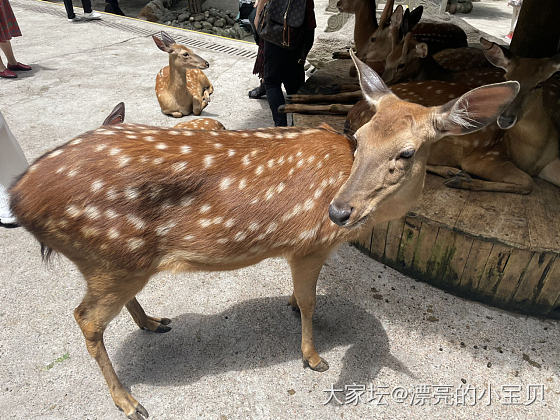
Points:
x=145, y=197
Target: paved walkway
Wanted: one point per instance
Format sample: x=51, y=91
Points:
x=233, y=351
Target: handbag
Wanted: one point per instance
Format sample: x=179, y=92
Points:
x=281, y=22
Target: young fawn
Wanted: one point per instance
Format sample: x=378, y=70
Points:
x=181, y=88
x=147, y=199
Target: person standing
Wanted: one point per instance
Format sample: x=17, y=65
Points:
x=8, y=29
x=284, y=66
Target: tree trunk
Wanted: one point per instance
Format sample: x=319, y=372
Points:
x=537, y=33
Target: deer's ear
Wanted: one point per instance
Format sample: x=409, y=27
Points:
x=421, y=49
x=166, y=38
x=475, y=109
x=397, y=17
x=161, y=45
x=494, y=54
x=414, y=17
x=373, y=87
x=116, y=116
x=385, y=18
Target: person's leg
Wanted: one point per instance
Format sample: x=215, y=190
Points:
x=274, y=72
x=7, y=49
x=86, y=4
x=69, y=9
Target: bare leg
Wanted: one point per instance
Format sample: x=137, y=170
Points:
x=305, y=271
x=144, y=321
x=7, y=49
x=104, y=299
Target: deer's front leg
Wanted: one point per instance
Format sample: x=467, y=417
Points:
x=305, y=271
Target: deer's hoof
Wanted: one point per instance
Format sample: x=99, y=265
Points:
x=322, y=366
x=162, y=329
x=140, y=413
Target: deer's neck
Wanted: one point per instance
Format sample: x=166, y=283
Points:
x=177, y=80
x=366, y=23
x=533, y=141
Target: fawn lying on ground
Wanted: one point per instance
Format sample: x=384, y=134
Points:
x=181, y=88
x=126, y=201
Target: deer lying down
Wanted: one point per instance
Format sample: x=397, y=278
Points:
x=149, y=199
x=181, y=88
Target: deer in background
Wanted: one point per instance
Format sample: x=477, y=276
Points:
x=394, y=25
x=152, y=199
x=181, y=88
x=411, y=60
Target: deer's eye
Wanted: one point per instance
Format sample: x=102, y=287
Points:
x=400, y=66
x=186, y=55
x=373, y=39
x=407, y=153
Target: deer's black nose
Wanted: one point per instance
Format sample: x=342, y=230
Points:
x=207, y=64
x=340, y=214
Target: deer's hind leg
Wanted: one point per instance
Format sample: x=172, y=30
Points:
x=105, y=296
x=144, y=321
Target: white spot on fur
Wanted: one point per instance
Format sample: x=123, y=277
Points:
x=208, y=161
x=308, y=205
x=187, y=201
x=55, y=153
x=188, y=237
x=136, y=221
x=270, y=163
x=185, y=149
x=225, y=183
x=246, y=160
x=229, y=223
x=259, y=170
x=135, y=243
x=114, y=150
x=205, y=208
x=242, y=183
x=113, y=233
x=205, y=222
x=96, y=185
x=222, y=241
x=174, y=132
x=280, y=160
x=158, y=161
x=299, y=163
x=263, y=135
x=131, y=136
x=291, y=172
x=149, y=138
x=217, y=145
x=76, y=141
x=91, y=212
x=123, y=161
x=161, y=146
x=239, y=236
x=269, y=193
x=280, y=187
x=131, y=193
x=230, y=152
x=110, y=214
x=61, y=169
x=291, y=135
x=73, y=211
x=72, y=173
x=253, y=227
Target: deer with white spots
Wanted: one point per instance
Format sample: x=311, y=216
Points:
x=411, y=60
x=181, y=87
x=149, y=199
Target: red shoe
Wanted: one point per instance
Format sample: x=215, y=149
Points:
x=19, y=67
x=7, y=74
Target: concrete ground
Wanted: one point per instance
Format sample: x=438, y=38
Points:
x=233, y=351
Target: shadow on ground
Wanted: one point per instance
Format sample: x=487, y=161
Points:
x=254, y=334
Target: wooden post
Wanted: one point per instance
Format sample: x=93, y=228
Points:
x=537, y=33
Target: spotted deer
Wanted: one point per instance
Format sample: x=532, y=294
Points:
x=411, y=59
x=151, y=199
x=394, y=25
x=365, y=20
x=181, y=87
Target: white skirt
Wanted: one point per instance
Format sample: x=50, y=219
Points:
x=12, y=159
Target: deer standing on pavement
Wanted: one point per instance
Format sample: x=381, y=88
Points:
x=151, y=199
x=181, y=88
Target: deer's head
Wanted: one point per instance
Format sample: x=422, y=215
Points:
x=529, y=72
x=392, y=27
x=180, y=55
x=389, y=166
x=405, y=60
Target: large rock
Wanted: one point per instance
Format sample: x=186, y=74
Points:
x=328, y=42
